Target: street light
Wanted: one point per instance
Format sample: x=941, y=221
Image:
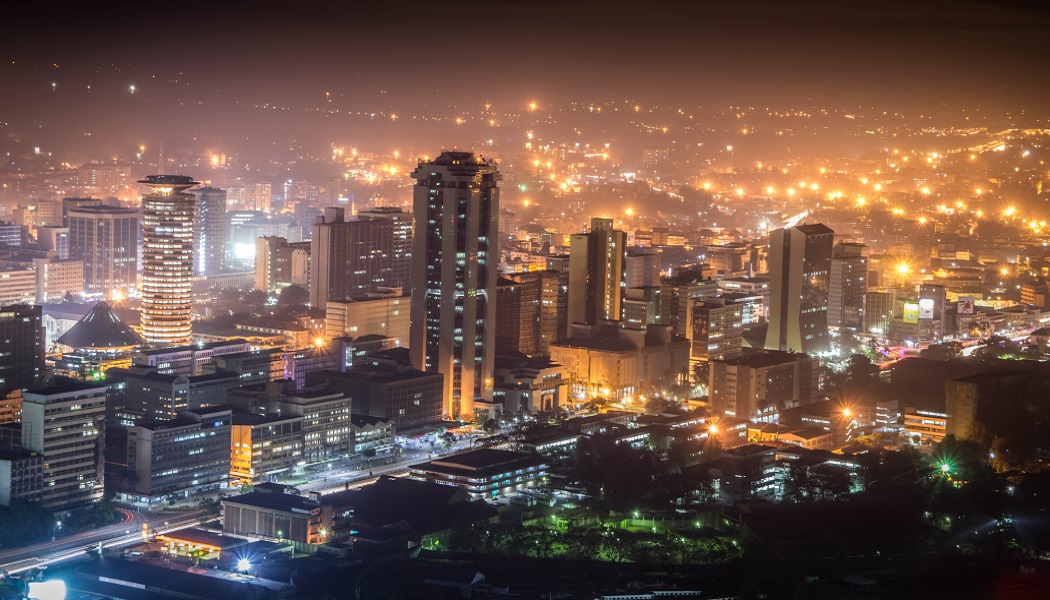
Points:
x=54, y=530
x=243, y=565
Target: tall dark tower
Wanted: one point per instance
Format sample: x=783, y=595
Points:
x=209, y=231
x=799, y=284
x=167, y=260
x=454, y=256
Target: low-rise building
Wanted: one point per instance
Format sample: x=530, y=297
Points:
x=485, y=473
x=524, y=385
x=278, y=513
x=925, y=426
x=372, y=434
x=183, y=455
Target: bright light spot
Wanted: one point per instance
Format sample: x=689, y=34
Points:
x=847, y=412
x=712, y=429
x=925, y=191
x=319, y=342
x=532, y=106
x=243, y=565
x=1010, y=211
x=630, y=212
x=903, y=268
x=945, y=468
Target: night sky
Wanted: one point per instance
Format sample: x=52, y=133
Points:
x=402, y=56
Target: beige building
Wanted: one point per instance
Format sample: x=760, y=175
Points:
x=17, y=285
x=55, y=278
x=605, y=360
x=373, y=316
x=758, y=386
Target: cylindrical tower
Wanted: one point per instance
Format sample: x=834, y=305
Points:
x=167, y=260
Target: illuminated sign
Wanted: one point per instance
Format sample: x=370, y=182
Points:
x=911, y=312
x=926, y=308
x=965, y=305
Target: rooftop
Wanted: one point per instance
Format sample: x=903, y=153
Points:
x=766, y=358
x=99, y=329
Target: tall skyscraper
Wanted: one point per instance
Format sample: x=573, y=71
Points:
x=22, y=340
x=167, y=260
x=456, y=205
x=597, y=273
x=402, y=261
x=106, y=239
x=349, y=259
x=849, y=274
x=209, y=231
x=799, y=278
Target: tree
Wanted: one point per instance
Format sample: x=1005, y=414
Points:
x=945, y=351
x=293, y=295
x=255, y=298
x=491, y=426
x=799, y=484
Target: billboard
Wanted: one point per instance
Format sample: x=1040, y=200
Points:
x=965, y=305
x=911, y=312
x=701, y=323
x=926, y=308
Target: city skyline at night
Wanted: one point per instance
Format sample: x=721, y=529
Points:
x=555, y=299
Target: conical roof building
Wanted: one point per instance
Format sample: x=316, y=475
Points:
x=100, y=330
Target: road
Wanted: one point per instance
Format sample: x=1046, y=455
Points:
x=336, y=479
x=127, y=532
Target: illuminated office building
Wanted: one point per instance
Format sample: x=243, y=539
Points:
x=167, y=259
x=456, y=202
x=597, y=274
x=105, y=238
x=799, y=282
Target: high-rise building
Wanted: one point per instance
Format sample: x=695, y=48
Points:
x=878, y=311
x=209, y=231
x=262, y=196
x=65, y=424
x=279, y=264
x=849, y=271
x=402, y=260
x=106, y=239
x=456, y=204
x=717, y=329
x=167, y=260
x=597, y=273
x=349, y=259
x=21, y=347
x=642, y=268
x=799, y=274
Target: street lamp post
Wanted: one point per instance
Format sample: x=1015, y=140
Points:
x=54, y=530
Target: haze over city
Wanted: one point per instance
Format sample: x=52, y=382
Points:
x=587, y=299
